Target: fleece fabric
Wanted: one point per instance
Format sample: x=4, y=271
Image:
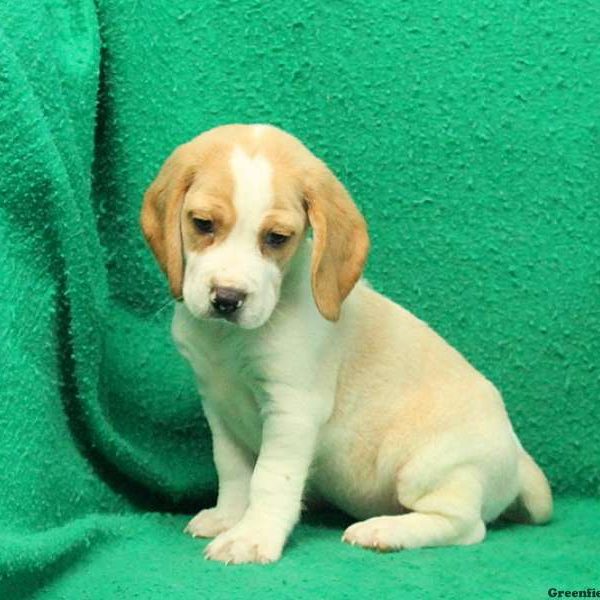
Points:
x=468, y=135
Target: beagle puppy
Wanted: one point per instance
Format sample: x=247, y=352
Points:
x=313, y=384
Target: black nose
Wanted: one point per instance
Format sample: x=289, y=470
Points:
x=226, y=300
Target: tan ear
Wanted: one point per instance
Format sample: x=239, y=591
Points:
x=340, y=244
x=161, y=213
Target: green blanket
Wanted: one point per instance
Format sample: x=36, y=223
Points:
x=469, y=136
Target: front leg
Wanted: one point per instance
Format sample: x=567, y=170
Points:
x=288, y=444
x=234, y=466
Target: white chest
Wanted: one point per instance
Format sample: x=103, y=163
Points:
x=228, y=375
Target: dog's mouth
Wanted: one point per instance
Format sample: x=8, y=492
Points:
x=208, y=313
x=245, y=314
x=217, y=316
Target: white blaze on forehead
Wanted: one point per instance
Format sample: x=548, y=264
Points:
x=238, y=262
x=258, y=130
x=253, y=190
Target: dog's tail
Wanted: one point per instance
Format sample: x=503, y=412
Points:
x=534, y=502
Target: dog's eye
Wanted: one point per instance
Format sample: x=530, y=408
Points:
x=204, y=226
x=276, y=239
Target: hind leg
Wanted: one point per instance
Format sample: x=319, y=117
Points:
x=450, y=514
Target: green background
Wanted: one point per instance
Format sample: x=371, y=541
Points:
x=469, y=135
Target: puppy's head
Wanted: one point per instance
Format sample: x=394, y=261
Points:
x=228, y=211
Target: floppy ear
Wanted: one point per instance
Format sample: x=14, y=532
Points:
x=161, y=212
x=341, y=241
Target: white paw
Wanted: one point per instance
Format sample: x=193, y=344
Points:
x=379, y=533
x=246, y=543
x=210, y=522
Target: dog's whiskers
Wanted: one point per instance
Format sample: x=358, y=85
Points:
x=161, y=309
